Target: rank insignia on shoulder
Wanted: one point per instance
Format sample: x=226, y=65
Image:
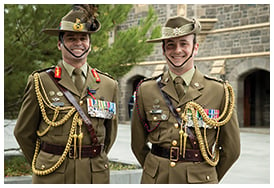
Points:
x=57, y=72
x=96, y=76
x=213, y=78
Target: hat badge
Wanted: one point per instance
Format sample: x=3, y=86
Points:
x=176, y=31
x=78, y=26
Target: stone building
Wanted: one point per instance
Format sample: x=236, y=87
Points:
x=234, y=45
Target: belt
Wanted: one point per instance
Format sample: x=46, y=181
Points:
x=173, y=154
x=90, y=151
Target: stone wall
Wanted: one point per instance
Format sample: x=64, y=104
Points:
x=240, y=37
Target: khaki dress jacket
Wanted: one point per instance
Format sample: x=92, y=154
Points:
x=207, y=92
x=84, y=170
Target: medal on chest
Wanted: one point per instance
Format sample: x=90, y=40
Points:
x=101, y=109
x=211, y=113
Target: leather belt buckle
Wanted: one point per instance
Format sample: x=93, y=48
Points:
x=174, y=154
x=72, y=154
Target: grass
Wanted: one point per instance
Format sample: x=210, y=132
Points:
x=18, y=166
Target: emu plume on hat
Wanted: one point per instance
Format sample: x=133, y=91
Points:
x=178, y=27
x=82, y=18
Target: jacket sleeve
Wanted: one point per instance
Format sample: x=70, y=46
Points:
x=112, y=124
x=28, y=121
x=138, y=133
x=229, y=145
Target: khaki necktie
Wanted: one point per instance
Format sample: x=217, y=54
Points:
x=78, y=80
x=179, y=86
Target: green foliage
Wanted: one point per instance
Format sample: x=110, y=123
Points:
x=16, y=166
x=27, y=48
x=129, y=46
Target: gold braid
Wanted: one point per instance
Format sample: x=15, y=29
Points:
x=228, y=110
x=42, y=101
x=63, y=156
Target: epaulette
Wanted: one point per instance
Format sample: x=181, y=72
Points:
x=104, y=73
x=214, y=78
x=42, y=70
x=152, y=78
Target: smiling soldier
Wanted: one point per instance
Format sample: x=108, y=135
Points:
x=188, y=118
x=67, y=125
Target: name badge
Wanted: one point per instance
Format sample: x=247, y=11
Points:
x=101, y=109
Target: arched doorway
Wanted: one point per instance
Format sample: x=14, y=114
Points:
x=132, y=84
x=257, y=99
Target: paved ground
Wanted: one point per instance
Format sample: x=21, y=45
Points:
x=253, y=166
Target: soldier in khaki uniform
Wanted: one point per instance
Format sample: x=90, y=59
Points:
x=67, y=125
x=184, y=125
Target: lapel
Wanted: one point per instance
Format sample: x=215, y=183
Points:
x=66, y=80
x=194, y=89
x=90, y=83
x=168, y=87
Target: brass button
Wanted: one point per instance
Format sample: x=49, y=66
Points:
x=207, y=177
x=178, y=109
x=174, y=142
x=176, y=125
x=194, y=142
x=81, y=103
x=172, y=164
x=154, y=118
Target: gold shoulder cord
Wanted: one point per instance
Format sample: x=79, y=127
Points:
x=76, y=120
x=42, y=101
x=216, y=123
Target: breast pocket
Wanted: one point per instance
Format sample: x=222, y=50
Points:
x=157, y=122
x=59, y=130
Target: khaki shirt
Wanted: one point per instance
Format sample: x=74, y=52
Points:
x=69, y=68
x=187, y=77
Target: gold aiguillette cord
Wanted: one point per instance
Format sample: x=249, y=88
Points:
x=185, y=135
x=80, y=137
x=74, y=144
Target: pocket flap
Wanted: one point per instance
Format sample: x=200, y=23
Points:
x=99, y=163
x=151, y=165
x=47, y=160
x=201, y=173
x=163, y=116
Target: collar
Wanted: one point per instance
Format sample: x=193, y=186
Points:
x=187, y=76
x=70, y=68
